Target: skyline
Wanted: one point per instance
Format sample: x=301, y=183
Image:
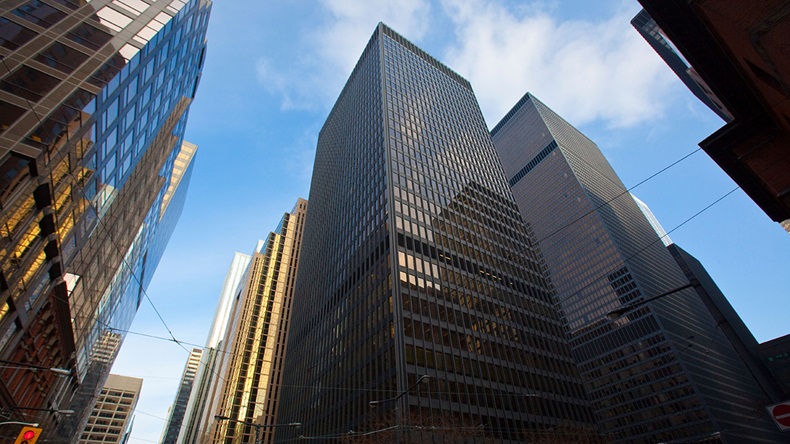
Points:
x=271, y=129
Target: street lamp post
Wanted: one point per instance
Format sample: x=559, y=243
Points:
x=258, y=427
x=422, y=378
x=58, y=411
x=31, y=424
x=12, y=364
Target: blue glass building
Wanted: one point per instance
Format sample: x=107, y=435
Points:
x=94, y=99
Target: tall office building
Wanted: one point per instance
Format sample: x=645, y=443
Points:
x=651, y=32
x=258, y=334
x=94, y=98
x=111, y=419
x=738, y=50
x=722, y=312
x=415, y=262
x=206, y=381
x=177, y=410
x=663, y=371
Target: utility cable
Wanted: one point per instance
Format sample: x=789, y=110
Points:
x=627, y=191
x=100, y=220
x=658, y=239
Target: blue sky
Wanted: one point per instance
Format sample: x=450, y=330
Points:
x=274, y=69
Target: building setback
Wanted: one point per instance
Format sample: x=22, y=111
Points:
x=94, y=98
x=663, y=371
x=415, y=262
x=112, y=416
x=207, y=383
x=257, y=335
x=177, y=410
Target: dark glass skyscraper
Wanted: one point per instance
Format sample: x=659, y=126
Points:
x=94, y=98
x=662, y=372
x=415, y=262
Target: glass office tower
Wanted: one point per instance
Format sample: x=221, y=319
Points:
x=94, y=98
x=257, y=335
x=415, y=262
x=207, y=382
x=664, y=371
x=177, y=411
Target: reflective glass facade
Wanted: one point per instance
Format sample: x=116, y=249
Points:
x=416, y=262
x=94, y=100
x=207, y=380
x=257, y=335
x=178, y=409
x=662, y=372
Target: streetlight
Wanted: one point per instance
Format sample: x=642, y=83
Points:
x=258, y=427
x=29, y=424
x=22, y=365
x=616, y=314
x=382, y=401
x=58, y=411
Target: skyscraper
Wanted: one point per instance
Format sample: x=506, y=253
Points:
x=111, y=418
x=177, y=410
x=662, y=372
x=207, y=383
x=94, y=98
x=739, y=52
x=257, y=335
x=415, y=263
x=651, y=32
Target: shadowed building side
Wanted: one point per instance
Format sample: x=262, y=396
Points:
x=664, y=371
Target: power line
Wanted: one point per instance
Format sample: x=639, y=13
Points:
x=628, y=190
x=99, y=220
x=658, y=239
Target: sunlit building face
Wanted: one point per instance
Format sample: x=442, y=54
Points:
x=94, y=98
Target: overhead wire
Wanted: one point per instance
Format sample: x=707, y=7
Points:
x=173, y=338
x=99, y=220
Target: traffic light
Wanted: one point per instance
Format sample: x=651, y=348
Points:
x=28, y=435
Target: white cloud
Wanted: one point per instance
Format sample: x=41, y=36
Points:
x=323, y=60
x=586, y=71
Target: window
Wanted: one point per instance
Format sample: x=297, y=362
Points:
x=107, y=72
x=8, y=114
x=112, y=112
x=39, y=13
x=12, y=35
x=89, y=36
x=13, y=170
x=29, y=83
x=71, y=4
x=112, y=18
x=62, y=57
